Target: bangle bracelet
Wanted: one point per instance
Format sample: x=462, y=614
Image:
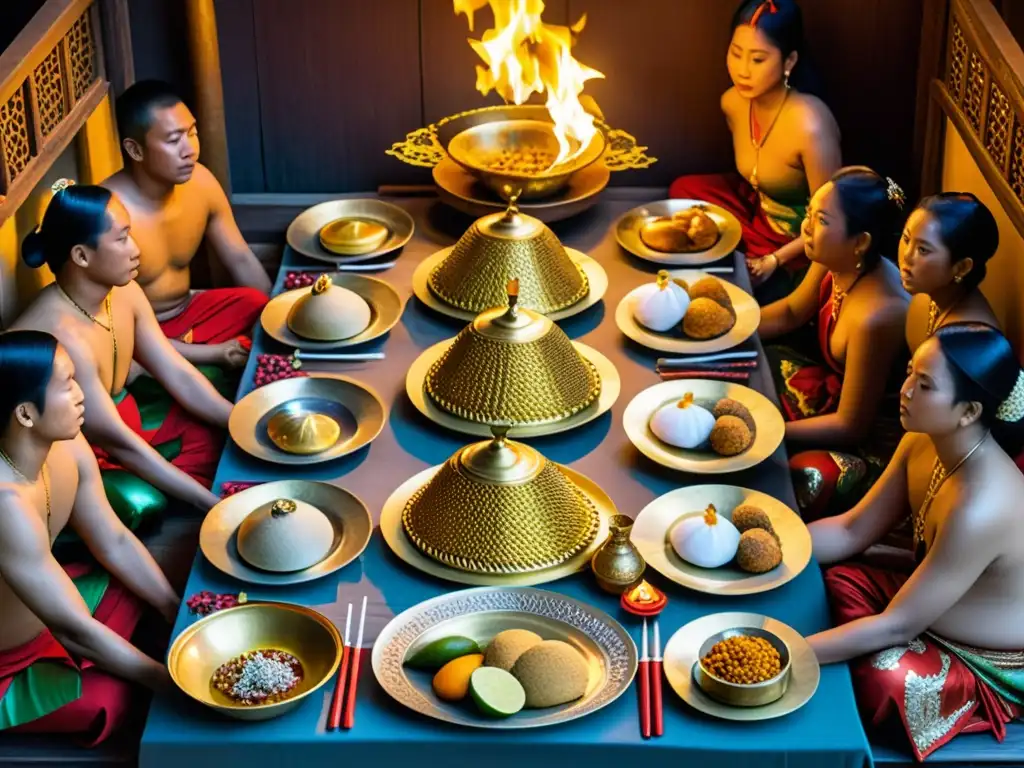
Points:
x=774, y=255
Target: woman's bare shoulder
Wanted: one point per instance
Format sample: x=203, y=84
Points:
x=813, y=115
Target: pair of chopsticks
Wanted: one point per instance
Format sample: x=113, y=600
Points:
x=343, y=698
x=347, y=268
x=649, y=686
x=724, y=366
x=337, y=357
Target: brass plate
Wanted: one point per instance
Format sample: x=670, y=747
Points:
x=652, y=526
x=596, y=276
x=682, y=653
x=394, y=534
x=356, y=407
x=415, y=387
x=748, y=318
x=304, y=231
x=481, y=614
x=771, y=428
x=353, y=526
x=385, y=312
x=627, y=232
x=196, y=653
x=461, y=190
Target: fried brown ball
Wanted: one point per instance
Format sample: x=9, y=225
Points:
x=758, y=551
x=706, y=319
x=748, y=517
x=730, y=436
x=729, y=407
x=711, y=288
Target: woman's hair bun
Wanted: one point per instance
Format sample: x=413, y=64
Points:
x=33, y=249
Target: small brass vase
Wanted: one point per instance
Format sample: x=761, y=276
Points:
x=618, y=565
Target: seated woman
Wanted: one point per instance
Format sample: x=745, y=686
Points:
x=66, y=663
x=786, y=143
x=832, y=396
x=100, y=315
x=946, y=244
x=940, y=647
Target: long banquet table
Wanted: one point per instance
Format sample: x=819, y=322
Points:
x=827, y=731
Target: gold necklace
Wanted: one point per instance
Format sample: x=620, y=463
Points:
x=934, y=318
x=839, y=295
x=757, y=144
x=939, y=476
x=109, y=327
x=46, y=483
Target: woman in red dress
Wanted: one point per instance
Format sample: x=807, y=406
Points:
x=939, y=650
x=786, y=144
x=832, y=388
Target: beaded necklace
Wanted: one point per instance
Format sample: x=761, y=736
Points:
x=21, y=475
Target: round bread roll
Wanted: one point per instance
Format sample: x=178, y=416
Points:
x=551, y=673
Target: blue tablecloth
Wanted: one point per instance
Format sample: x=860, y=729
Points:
x=825, y=732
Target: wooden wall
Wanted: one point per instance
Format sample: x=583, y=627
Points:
x=317, y=90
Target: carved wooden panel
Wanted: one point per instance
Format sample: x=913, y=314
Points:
x=998, y=125
x=957, y=61
x=14, y=134
x=973, y=91
x=82, y=53
x=1016, y=175
x=48, y=81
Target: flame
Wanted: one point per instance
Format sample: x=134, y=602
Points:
x=523, y=55
x=643, y=593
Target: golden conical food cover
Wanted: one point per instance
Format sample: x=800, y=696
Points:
x=501, y=246
x=512, y=366
x=303, y=432
x=500, y=507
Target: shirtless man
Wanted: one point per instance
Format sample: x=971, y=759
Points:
x=72, y=617
x=102, y=317
x=175, y=203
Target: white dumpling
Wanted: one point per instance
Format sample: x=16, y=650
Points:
x=706, y=540
x=683, y=424
x=661, y=306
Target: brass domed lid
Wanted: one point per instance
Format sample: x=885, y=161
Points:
x=303, y=432
x=498, y=246
x=349, y=237
x=499, y=506
x=512, y=366
x=285, y=535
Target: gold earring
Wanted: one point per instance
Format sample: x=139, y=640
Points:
x=786, y=80
x=860, y=266
x=958, y=279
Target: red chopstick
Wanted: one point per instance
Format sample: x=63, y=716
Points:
x=644, y=688
x=350, y=699
x=334, y=715
x=717, y=375
x=659, y=724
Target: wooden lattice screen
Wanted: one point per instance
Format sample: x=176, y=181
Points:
x=51, y=79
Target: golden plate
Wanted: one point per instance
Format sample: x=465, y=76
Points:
x=460, y=189
x=748, y=318
x=394, y=534
x=627, y=232
x=350, y=518
x=652, y=526
x=385, y=312
x=596, y=276
x=356, y=407
x=304, y=231
x=415, y=387
x=309, y=636
x=682, y=653
x=771, y=428
x=480, y=614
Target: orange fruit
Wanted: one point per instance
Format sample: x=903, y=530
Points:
x=451, y=682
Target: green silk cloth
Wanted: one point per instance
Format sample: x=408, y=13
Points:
x=46, y=686
x=1002, y=671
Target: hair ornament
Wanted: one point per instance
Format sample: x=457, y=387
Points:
x=895, y=193
x=768, y=5
x=60, y=185
x=1012, y=409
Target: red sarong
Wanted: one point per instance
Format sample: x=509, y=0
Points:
x=200, y=443
x=105, y=699
x=934, y=692
x=734, y=193
x=216, y=315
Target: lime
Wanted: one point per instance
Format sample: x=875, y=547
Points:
x=438, y=653
x=496, y=692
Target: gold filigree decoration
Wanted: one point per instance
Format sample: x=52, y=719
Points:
x=889, y=659
x=922, y=702
x=15, y=146
x=422, y=147
x=957, y=61
x=976, y=75
x=997, y=126
x=1012, y=409
x=48, y=81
